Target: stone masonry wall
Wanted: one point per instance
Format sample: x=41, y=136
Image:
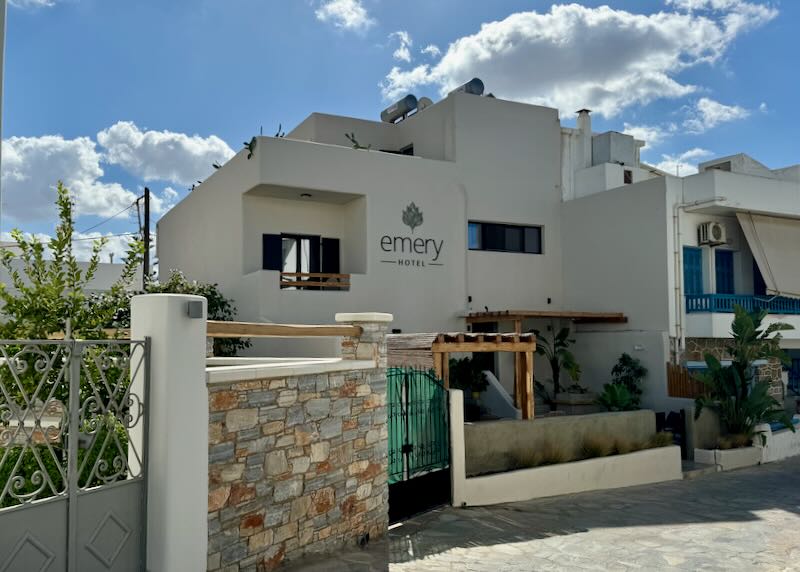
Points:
x=298, y=465
x=696, y=348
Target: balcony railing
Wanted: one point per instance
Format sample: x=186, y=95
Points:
x=314, y=281
x=726, y=302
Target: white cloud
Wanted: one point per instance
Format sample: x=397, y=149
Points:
x=685, y=163
x=403, y=51
x=163, y=202
x=763, y=107
x=574, y=56
x=652, y=135
x=708, y=113
x=345, y=14
x=33, y=165
x=431, y=50
x=32, y=3
x=162, y=155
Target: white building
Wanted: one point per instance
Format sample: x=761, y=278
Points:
x=476, y=203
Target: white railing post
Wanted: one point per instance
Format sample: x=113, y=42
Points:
x=177, y=479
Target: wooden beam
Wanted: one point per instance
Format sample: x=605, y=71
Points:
x=438, y=366
x=519, y=374
x=528, y=412
x=445, y=369
x=485, y=346
x=218, y=329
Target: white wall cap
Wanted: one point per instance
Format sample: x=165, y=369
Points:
x=364, y=317
x=165, y=295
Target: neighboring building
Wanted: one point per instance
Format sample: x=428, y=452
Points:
x=477, y=203
x=105, y=276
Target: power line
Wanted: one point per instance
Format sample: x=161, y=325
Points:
x=110, y=218
x=106, y=236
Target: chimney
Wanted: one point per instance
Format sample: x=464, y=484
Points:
x=585, y=145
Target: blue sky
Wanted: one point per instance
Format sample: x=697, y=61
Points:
x=111, y=95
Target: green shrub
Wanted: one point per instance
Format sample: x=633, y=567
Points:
x=629, y=372
x=616, y=397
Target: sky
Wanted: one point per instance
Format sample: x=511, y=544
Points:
x=112, y=95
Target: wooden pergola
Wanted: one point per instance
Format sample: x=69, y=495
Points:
x=432, y=351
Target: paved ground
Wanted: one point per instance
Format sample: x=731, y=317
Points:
x=740, y=520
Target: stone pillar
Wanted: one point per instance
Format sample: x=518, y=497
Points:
x=371, y=344
x=177, y=484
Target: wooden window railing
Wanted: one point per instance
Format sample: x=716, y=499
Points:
x=314, y=281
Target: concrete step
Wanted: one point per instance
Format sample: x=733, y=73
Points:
x=692, y=470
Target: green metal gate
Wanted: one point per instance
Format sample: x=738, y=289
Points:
x=419, y=438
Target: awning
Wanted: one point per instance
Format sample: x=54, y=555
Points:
x=775, y=244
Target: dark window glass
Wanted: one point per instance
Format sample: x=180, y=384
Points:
x=533, y=240
x=494, y=237
x=628, y=177
x=505, y=237
x=759, y=285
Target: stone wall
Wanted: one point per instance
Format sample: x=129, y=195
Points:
x=697, y=348
x=298, y=464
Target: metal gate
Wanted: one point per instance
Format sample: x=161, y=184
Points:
x=73, y=426
x=419, y=441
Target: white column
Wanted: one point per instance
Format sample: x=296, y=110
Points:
x=458, y=464
x=177, y=480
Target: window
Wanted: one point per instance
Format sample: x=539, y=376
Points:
x=724, y=271
x=627, y=177
x=505, y=237
x=692, y=270
x=300, y=253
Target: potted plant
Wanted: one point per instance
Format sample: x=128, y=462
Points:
x=468, y=377
x=556, y=352
x=741, y=402
x=630, y=372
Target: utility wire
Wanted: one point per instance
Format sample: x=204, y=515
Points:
x=106, y=236
x=109, y=218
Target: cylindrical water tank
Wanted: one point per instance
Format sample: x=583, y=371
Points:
x=399, y=109
x=473, y=86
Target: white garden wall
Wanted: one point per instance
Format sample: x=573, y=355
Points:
x=639, y=468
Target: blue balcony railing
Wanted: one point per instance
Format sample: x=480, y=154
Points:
x=726, y=302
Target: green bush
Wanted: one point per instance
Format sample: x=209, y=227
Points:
x=616, y=397
x=630, y=372
x=467, y=376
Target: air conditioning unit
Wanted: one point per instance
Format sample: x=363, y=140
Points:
x=711, y=233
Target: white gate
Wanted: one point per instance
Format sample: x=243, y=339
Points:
x=73, y=426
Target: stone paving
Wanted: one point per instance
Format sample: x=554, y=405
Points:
x=740, y=520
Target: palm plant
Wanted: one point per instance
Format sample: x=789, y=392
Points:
x=557, y=354
x=741, y=402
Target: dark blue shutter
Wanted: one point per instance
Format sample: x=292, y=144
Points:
x=724, y=271
x=692, y=270
x=330, y=256
x=272, y=252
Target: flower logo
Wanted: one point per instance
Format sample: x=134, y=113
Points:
x=412, y=216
